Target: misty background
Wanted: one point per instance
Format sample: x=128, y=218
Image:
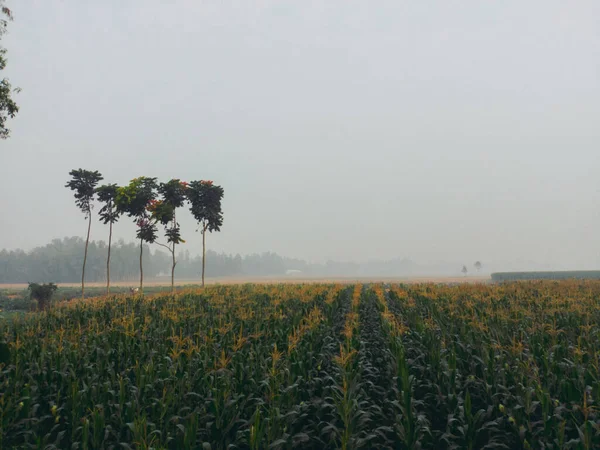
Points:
x=443, y=132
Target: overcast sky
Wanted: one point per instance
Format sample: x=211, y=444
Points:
x=346, y=129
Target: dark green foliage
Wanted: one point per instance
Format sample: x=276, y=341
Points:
x=253, y=367
x=146, y=231
x=109, y=214
x=83, y=183
x=4, y=353
x=515, y=385
x=107, y=195
x=8, y=107
x=205, y=204
x=42, y=293
x=558, y=275
x=173, y=192
x=173, y=196
x=140, y=388
x=135, y=198
x=173, y=234
x=162, y=212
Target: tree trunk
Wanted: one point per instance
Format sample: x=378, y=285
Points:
x=87, y=241
x=203, y=252
x=173, y=269
x=108, y=260
x=141, y=267
x=173, y=255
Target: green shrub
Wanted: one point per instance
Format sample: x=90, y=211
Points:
x=42, y=293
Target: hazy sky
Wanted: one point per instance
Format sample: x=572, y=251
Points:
x=438, y=130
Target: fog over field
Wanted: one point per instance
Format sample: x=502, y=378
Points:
x=444, y=132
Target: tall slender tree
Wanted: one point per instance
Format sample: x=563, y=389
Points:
x=134, y=200
x=205, y=204
x=8, y=107
x=109, y=214
x=173, y=196
x=83, y=183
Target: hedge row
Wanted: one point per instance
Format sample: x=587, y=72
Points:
x=559, y=275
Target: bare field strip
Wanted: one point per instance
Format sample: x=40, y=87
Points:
x=274, y=280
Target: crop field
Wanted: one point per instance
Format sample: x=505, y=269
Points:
x=309, y=366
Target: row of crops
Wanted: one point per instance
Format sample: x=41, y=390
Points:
x=511, y=366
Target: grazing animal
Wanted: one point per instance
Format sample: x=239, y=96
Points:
x=134, y=290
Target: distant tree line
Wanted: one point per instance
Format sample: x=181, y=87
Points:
x=60, y=261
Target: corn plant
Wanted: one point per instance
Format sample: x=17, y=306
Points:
x=423, y=366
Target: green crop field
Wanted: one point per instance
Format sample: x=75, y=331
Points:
x=510, y=366
x=15, y=299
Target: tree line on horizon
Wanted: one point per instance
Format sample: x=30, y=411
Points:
x=148, y=203
x=60, y=261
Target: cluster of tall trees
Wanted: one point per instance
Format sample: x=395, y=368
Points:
x=149, y=204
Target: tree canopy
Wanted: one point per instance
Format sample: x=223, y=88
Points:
x=205, y=204
x=107, y=195
x=8, y=107
x=83, y=183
